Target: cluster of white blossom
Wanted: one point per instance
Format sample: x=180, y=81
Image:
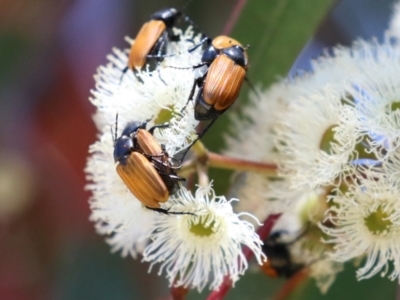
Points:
x=334, y=133
x=195, y=250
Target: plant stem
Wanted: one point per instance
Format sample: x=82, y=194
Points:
x=291, y=284
x=179, y=293
x=233, y=17
x=263, y=233
x=214, y=160
x=231, y=163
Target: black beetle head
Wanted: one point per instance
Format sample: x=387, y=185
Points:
x=237, y=54
x=167, y=15
x=132, y=127
x=122, y=149
x=124, y=145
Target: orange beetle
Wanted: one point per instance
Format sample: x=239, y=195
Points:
x=151, y=41
x=219, y=87
x=144, y=166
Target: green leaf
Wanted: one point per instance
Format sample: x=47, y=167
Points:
x=276, y=31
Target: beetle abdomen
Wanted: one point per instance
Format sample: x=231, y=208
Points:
x=144, y=42
x=223, y=83
x=147, y=143
x=143, y=181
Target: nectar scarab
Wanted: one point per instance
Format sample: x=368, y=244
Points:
x=223, y=70
x=145, y=167
x=219, y=87
x=152, y=38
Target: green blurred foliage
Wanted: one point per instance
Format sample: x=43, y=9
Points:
x=13, y=48
x=346, y=286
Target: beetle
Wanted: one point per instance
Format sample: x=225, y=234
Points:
x=153, y=36
x=225, y=62
x=279, y=263
x=219, y=87
x=144, y=166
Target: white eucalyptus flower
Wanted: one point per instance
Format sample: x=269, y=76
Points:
x=197, y=251
x=158, y=95
x=324, y=273
x=391, y=164
x=366, y=222
x=376, y=91
x=251, y=135
x=316, y=137
x=115, y=210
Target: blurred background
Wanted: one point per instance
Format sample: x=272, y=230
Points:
x=49, y=52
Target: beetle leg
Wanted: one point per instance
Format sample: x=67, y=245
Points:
x=190, y=146
x=163, y=125
x=170, y=176
x=154, y=155
x=252, y=87
x=173, y=160
x=206, y=39
x=176, y=177
x=171, y=36
x=196, y=82
x=167, y=212
x=207, y=127
x=199, y=136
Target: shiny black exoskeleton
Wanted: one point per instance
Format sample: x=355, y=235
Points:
x=236, y=53
x=279, y=257
x=125, y=144
x=202, y=110
x=168, y=15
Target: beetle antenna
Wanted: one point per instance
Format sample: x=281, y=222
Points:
x=114, y=134
x=252, y=88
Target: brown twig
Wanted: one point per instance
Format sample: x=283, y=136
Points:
x=231, y=163
x=179, y=293
x=291, y=284
x=214, y=160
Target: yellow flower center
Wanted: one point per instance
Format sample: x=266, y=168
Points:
x=203, y=228
x=378, y=222
x=165, y=115
x=361, y=148
x=394, y=106
x=328, y=139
